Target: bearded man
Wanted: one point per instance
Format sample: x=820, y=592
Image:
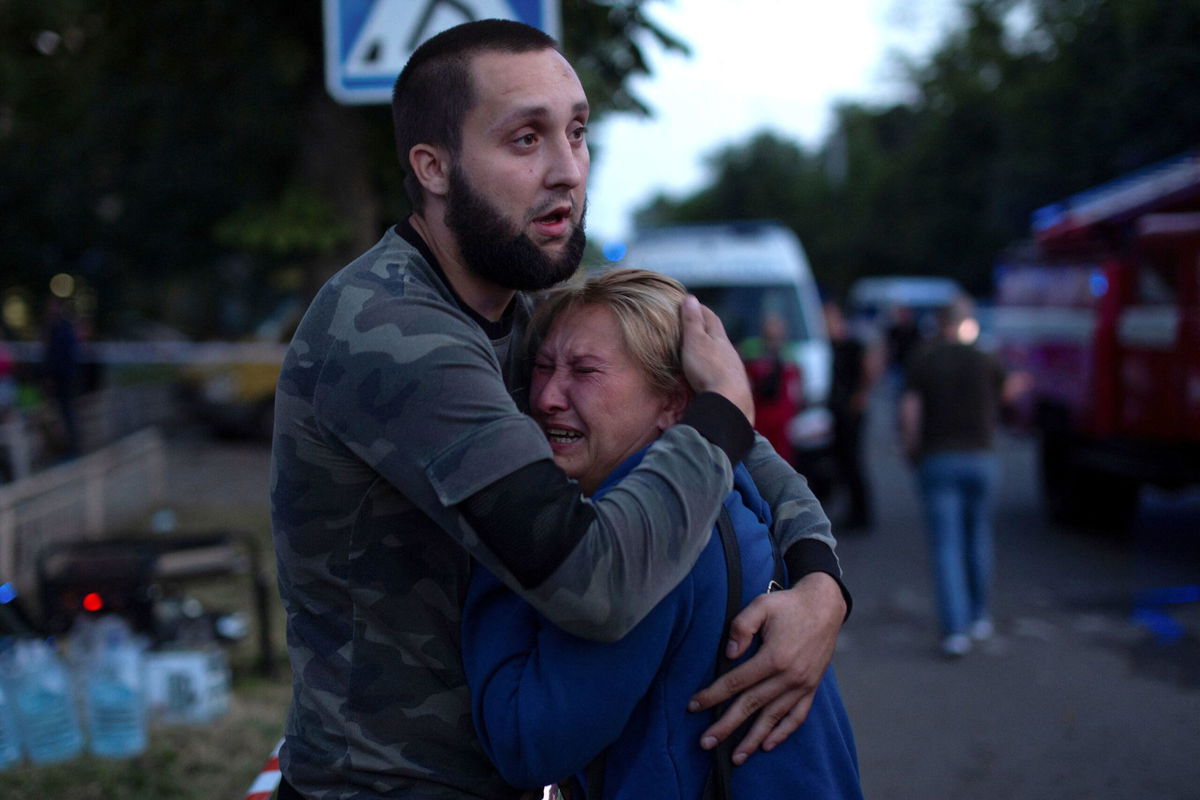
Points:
x=401, y=453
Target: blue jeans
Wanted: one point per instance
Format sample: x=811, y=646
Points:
x=958, y=489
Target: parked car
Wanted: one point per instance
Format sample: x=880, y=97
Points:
x=231, y=387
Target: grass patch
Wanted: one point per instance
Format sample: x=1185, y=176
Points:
x=217, y=761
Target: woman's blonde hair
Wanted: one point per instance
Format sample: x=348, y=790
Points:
x=646, y=307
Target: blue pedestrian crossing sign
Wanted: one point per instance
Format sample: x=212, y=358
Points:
x=368, y=42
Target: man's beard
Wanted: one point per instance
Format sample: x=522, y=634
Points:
x=492, y=251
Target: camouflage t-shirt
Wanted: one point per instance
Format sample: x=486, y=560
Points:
x=393, y=417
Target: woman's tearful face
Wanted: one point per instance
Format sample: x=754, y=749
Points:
x=592, y=399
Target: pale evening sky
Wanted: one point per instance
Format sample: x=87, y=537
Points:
x=756, y=64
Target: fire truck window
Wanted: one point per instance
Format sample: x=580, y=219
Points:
x=1155, y=283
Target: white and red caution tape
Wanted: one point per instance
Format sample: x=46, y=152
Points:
x=267, y=780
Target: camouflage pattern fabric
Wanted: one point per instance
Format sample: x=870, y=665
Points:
x=391, y=410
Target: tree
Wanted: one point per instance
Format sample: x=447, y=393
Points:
x=1024, y=103
x=602, y=39
x=188, y=153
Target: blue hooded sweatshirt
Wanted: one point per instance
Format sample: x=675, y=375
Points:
x=546, y=703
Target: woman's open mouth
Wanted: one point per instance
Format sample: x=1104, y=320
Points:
x=562, y=435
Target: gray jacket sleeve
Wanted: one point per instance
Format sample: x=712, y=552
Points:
x=597, y=568
x=799, y=525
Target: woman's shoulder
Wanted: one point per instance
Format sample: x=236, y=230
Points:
x=745, y=494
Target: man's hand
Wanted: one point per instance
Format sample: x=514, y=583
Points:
x=710, y=361
x=799, y=628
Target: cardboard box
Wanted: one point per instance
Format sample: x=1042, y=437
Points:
x=186, y=686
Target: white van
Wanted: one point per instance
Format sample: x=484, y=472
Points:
x=744, y=271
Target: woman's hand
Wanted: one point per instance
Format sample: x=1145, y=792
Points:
x=799, y=628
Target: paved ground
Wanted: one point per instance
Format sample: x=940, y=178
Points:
x=1073, y=699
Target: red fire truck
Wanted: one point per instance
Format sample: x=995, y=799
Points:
x=1102, y=309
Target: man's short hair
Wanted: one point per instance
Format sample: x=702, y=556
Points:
x=433, y=93
x=646, y=306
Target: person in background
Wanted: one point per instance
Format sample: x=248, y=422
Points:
x=10, y=427
x=61, y=369
x=8, y=379
x=903, y=335
x=605, y=358
x=856, y=370
x=401, y=456
x=777, y=384
x=948, y=415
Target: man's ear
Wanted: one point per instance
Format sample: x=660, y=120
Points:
x=674, y=405
x=431, y=166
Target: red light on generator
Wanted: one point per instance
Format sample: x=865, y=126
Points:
x=92, y=601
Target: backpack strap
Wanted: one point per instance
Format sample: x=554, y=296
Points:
x=717, y=787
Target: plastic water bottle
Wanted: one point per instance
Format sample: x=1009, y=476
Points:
x=10, y=737
x=113, y=693
x=44, y=704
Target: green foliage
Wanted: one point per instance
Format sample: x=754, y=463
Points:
x=299, y=222
x=130, y=135
x=602, y=40
x=145, y=150
x=1022, y=105
x=140, y=150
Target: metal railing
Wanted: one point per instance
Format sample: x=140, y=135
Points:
x=80, y=499
x=30, y=438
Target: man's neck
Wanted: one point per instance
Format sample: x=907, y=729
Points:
x=487, y=299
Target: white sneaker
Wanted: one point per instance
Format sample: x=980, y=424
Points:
x=981, y=629
x=956, y=645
